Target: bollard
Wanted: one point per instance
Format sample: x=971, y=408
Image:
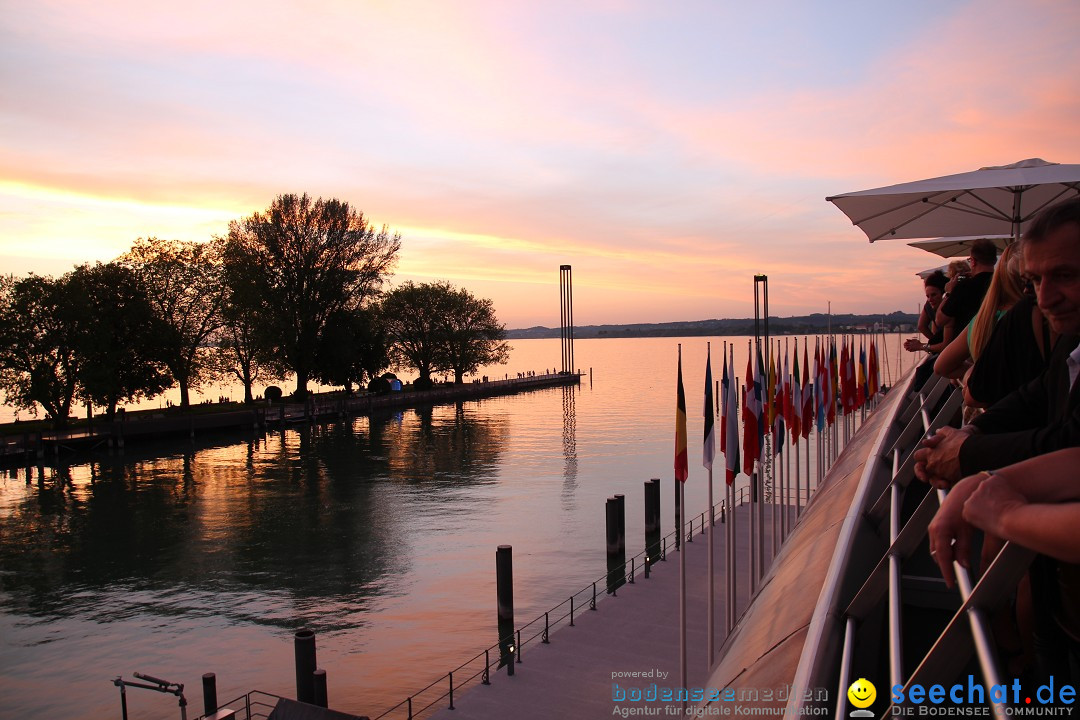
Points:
x=504, y=582
x=611, y=512
x=650, y=525
x=611, y=526
x=319, y=681
x=304, y=649
x=652, y=522
x=504, y=590
x=209, y=693
x=620, y=501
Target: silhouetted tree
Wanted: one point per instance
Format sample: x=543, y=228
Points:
x=414, y=321
x=474, y=336
x=38, y=361
x=353, y=344
x=184, y=284
x=242, y=352
x=299, y=263
x=115, y=336
x=436, y=327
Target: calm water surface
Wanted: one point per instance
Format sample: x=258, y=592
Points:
x=379, y=534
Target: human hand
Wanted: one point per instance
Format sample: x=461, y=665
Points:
x=990, y=503
x=937, y=461
x=913, y=345
x=949, y=533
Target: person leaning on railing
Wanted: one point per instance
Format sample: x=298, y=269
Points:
x=1043, y=415
x=933, y=288
x=1034, y=503
x=1006, y=289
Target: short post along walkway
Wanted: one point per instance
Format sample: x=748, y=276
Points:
x=575, y=676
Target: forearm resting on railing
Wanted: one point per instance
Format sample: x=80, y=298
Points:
x=1035, y=503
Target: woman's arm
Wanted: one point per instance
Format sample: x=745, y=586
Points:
x=926, y=323
x=954, y=358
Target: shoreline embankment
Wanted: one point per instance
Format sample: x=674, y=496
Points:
x=53, y=447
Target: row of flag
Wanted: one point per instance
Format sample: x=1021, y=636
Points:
x=780, y=401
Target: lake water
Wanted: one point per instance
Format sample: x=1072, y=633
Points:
x=379, y=534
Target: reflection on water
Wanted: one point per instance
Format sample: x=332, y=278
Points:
x=379, y=534
x=569, y=438
x=305, y=513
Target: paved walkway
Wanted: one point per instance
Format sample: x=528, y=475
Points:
x=636, y=632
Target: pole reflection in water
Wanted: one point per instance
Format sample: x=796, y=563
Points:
x=569, y=438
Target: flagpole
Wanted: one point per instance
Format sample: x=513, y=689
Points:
x=682, y=600
x=748, y=383
x=758, y=371
x=681, y=471
x=729, y=545
x=708, y=451
x=731, y=470
x=788, y=400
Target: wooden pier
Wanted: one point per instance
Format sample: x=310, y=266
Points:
x=50, y=448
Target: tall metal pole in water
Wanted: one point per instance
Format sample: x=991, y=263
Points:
x=566, y=309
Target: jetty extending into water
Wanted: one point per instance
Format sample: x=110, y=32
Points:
x=49, y=448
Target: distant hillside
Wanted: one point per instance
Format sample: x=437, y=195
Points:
x=799, y=325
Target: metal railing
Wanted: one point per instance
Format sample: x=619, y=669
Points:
x=587, y=599
x=887, y=508
x=254, y=705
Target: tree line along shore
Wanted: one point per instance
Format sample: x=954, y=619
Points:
x=299, y=289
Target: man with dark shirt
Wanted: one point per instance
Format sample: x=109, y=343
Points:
x=963, y=300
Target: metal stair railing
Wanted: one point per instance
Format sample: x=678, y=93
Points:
x=903, y=539
x=967, y=630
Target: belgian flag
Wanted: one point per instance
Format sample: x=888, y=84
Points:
x=682, y=468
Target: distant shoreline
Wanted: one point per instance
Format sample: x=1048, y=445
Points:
x=797, y=325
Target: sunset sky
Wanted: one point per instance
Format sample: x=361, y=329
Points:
x=666, y=150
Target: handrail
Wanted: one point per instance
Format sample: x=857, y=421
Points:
x=453, y=678
x=876, y=510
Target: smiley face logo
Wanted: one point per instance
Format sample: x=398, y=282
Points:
x=862, y=693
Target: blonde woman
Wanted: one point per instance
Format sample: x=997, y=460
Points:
x=1006, y=288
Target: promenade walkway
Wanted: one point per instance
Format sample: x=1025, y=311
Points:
x=636, y=632
x=53, y=447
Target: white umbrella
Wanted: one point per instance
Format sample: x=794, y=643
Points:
x=927, y=273
x=948, y=247
x=992, y=201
